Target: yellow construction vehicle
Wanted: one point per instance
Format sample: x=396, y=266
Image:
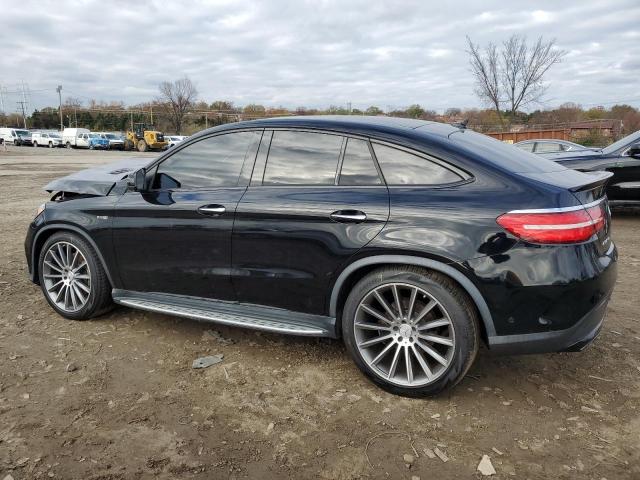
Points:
x=143, y=138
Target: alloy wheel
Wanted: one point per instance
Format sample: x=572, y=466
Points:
x=66, y=275
x=404, y=334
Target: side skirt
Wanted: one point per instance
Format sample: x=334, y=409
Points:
x=257, y=317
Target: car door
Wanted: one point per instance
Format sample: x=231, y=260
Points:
x=82, y=140
x=175, y=237
x=314, y=200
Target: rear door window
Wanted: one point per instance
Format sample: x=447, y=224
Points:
x=527, y=147
x=403, y=168
x=548, y=147
x=302, y=158
x=358, y=167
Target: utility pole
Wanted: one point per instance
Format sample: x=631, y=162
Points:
x=206, y=120
x=24, y=118
x=151, y=114
x=1, y=100
x=59, y=90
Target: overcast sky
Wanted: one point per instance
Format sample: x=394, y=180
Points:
x=315, y=53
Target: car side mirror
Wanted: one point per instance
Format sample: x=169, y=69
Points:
x=634, y=150
x=139, y=179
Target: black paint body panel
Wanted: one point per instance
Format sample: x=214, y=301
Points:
x=277, y=246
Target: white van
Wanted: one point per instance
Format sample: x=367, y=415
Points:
x=70, y=137
x=46, y=139
x=15, y=136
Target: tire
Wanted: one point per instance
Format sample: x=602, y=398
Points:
x=16, y=143
x=91, y=147
x=451, y=328
x=50, y=144
x=93, y=276
x=68, y=145
x=142, y=146
x=34, y=144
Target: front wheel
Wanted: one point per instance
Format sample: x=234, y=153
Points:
x=50, y=144
x=412, y=331
x=142, y=146
x=72, y=277
x=35, y=144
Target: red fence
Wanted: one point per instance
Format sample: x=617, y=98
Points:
x=514, y=137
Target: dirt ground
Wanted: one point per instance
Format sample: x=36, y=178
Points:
x=116, y=397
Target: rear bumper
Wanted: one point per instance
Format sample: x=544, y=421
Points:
x=573, y=339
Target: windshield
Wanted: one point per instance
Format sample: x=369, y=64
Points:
x=623, y=142
x=111, y=136
x=54, y=135
x=94, y=135
x=22, y=132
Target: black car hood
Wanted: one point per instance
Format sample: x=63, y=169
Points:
x=97, y=181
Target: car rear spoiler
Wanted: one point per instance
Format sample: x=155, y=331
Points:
x=598, y=179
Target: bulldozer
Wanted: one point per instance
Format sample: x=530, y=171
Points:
x=144, y=138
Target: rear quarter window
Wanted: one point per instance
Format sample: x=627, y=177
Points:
x=403, y=168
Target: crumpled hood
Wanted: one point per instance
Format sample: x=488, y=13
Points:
x=99, y=180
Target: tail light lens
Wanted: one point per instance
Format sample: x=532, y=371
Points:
x=570, y=225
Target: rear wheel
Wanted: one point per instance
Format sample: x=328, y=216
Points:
x=142, y=146
x=72, y=278
x=50, y=144
x=68, y=144
x=412, y=331
x=35, y=144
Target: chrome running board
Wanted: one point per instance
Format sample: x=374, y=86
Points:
x=235, y=314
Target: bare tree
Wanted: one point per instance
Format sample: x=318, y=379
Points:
x=523, y=69
x=514, y=76
x=485, y=67
x=177, y=97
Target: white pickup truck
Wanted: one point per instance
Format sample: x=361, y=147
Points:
x=46, y=139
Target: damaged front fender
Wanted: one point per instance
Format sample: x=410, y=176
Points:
x=97, y=181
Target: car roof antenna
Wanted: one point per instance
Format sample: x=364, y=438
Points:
x=462, y=125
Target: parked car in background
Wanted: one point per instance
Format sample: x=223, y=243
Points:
x=412, y=241
x=116, y=142
x=621, y=158
x=95, y=141
x=70, y=137
x=15, y=136
x=46, y=139
x=174, y=140
x=544, y=146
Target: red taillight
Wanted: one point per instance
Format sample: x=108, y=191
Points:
x=570, y=225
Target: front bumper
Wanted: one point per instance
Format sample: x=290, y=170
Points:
x=572, y=339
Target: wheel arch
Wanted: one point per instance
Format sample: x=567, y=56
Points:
x=45, y=232
x=363, y=266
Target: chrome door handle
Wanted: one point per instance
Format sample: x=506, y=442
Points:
x=212, y=210
x=348, y=216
